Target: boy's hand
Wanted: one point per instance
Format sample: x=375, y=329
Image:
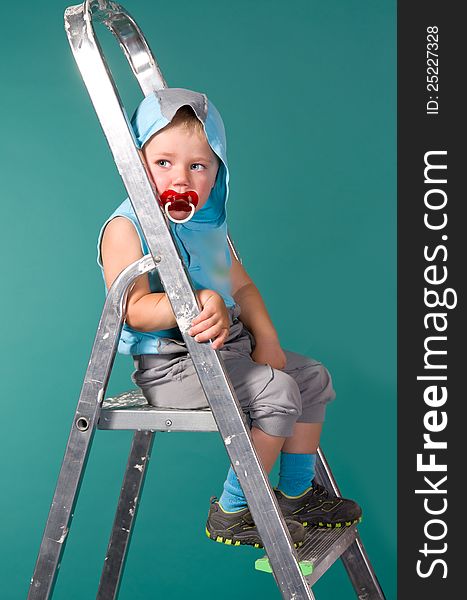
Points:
x=212, y=323
x=269, y=351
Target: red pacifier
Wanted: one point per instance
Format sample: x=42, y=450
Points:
x=172, y=201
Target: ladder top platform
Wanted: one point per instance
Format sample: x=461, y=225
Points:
x=130, y=410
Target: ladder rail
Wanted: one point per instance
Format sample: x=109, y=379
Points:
x=355, y=558
x=177, y=284
x=82, y=431
x=125, y=515
x=133, y=44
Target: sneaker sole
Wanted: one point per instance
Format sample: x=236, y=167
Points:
x=238, y=542
x=327, y=525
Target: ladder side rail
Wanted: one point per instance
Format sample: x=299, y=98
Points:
x=125, y=515
x=82, y=432
x=355, y=558
x=175, y=279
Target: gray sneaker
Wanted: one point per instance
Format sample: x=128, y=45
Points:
x=236, y=528
x=317, y=508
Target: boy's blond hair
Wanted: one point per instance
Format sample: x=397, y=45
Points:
x=186, y=117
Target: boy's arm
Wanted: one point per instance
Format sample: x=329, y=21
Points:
x=146, y=310
x=254, y=314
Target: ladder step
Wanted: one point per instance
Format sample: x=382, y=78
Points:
x=130, y=410
x=130, y=399
x=320, y=549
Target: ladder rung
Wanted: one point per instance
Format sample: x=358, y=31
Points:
x=130, y=410
x=321, y=548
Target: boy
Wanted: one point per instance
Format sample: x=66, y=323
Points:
x=283, y=394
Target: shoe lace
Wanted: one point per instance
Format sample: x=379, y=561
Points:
x=319, y=490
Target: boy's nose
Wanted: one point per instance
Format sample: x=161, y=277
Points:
x=180, y=187
x=180, y=180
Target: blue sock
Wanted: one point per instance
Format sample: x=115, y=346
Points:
x=296, y=473
x=232, y=498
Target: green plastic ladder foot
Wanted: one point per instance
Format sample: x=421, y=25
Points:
x=262, y=564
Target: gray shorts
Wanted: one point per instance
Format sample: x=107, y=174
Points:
x=272, y=399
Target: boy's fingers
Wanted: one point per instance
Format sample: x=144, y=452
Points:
x=209, y=334
x=198, y=317
x=202, y=325
x=203, y=315
x=219, y=341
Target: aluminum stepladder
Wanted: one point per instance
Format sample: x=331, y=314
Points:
x=130, y=410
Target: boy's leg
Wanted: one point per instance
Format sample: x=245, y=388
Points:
x=267, y=446
x=229, y=519
x=298, y=459
x=298, y=454
x=273, y=409
x=304, y=440
x=297, y=493
x=277, y=421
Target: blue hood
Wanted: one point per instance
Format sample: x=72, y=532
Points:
x=156, y=111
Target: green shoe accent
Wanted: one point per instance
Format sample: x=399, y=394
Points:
x=262, y=564
x=295, y=497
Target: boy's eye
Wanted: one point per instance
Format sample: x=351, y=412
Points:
x=198, y=165
x=161, y=160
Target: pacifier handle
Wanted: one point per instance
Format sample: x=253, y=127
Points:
x=168, y=197
x=166, y=210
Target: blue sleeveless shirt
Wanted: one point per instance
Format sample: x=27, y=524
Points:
x=202, y=241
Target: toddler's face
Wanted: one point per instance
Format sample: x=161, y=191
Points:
x=182, y=160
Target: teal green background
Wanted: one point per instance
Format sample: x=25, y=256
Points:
x=307, y=91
